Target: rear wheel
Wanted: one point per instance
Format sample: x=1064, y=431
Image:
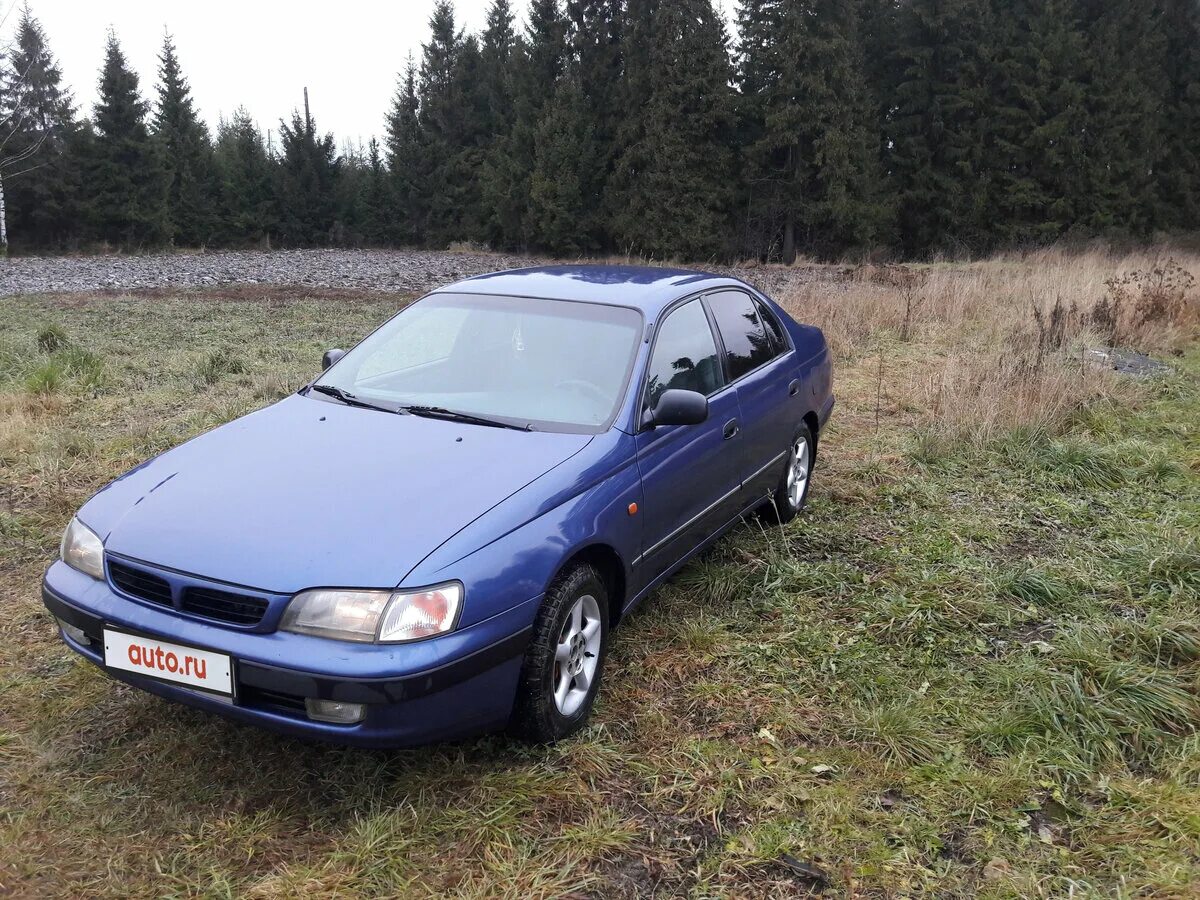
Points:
x=565, y=659
x=792, y=491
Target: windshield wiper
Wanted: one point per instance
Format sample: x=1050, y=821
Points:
x=349, y=399
x=440, y=412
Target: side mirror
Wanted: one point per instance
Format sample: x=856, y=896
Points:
x=330, y=357
x=678, y=407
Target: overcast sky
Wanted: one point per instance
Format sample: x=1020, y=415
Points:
x=255, y=53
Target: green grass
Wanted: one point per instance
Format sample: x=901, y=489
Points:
x=971, y=669
x=51, y=338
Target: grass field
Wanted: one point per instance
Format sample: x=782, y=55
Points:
x=971, y=669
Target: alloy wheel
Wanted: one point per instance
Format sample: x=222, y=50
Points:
x=577, y=655
x=797, y=475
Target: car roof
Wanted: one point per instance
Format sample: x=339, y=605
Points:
x=648, y=288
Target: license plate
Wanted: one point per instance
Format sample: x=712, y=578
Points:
x=169, y=662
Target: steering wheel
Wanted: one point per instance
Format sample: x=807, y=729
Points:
x=585, y=387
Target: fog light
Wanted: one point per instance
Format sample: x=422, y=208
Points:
x=78, y=635
x=335, y=711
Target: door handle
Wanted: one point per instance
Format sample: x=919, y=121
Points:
x=731, y=429
x=794, y=388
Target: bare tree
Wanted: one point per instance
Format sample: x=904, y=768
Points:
x=23, y=131
x=13, y=164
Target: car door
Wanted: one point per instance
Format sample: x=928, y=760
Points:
x=691, y=474
x=758, y=364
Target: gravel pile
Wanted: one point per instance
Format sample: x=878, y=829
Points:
x=365, y=270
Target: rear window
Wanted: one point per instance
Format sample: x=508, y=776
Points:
x=774, y=328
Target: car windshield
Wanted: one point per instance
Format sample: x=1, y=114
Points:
x=549, y=364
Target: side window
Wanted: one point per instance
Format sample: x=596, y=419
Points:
x=746, y=343
x=774, y=329
x=685, y=355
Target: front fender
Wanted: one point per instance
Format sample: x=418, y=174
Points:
x=511, y=553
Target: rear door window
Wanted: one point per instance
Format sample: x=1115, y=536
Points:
x=747, y=345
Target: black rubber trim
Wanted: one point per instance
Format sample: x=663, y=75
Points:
x=330, y=687
x=688, y=524
x=761, y=469
x=383, y=690
x=72, y=615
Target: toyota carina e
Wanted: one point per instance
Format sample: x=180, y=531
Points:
x=437, y=535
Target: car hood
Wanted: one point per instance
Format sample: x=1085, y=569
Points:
x=307, y=493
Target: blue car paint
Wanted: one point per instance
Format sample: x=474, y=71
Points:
x=308, y=493
x=674, y=462
x=315, y=667
x=232, y=503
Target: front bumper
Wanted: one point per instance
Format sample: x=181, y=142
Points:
x=438, y=689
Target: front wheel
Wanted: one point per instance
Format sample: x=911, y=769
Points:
x=565, y=659
x=792, y=491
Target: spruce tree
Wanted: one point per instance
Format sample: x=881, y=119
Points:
x=637, y=77
x=758, y=70
x=545, y=49
x=557, y=218
x=246, y=175
x=499, y=54
x=72, y=173
x=595, y=41
x=470, y=141
x=932, y=125
x=441, y=117
x=1177, y=168
x=536, y=67
x=40, y=181
x=936, y=159
x=126, y=186
x=187, y=153
x=307, y=181
x=635, y=89
x=375, y=206
x=498, y=44
x=1034, y=130
x=405, y=161
x=359, y=171
x=877, y=38
x=1125, y=90
x=452, y=139
x=674, y=178
x=814, y=141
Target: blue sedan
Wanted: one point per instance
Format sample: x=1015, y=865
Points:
x=437, y=536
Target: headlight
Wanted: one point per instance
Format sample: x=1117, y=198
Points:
x=385, y=617
x=82, y=550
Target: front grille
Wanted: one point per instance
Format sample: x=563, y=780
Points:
x=224, y=605
x=211, y=603
x=139, y=584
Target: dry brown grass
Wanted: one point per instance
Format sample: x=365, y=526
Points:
x=20, y=419
x=1001, y=342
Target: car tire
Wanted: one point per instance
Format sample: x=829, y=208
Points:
x=565, y=659
x=795, y=480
